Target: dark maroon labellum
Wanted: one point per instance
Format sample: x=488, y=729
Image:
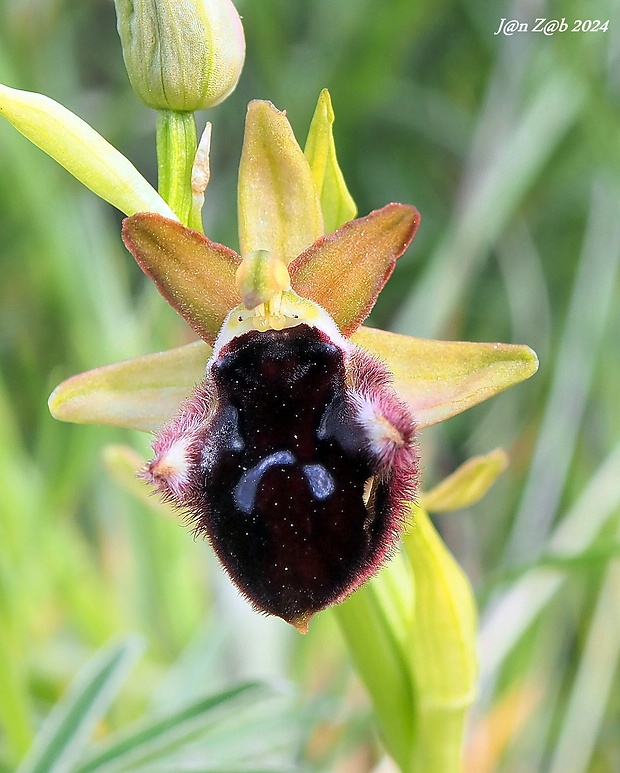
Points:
x=300, y=460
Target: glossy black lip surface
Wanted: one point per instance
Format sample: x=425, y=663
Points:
x=283, y=470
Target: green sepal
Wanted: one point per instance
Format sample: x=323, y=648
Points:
x=337, y=203
x=279, y=207
x=439, y=379
x=142, y=393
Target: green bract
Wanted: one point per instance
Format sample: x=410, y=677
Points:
x=181, y=55
x=81, y=150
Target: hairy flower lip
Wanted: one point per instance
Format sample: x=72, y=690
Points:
x=271, y=457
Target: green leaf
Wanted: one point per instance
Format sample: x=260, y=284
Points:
x=195, y=275
x=68, y=728
x=439, y=379
x=279, y=207
x=345, y=271
x=378, y=644
x=337, y=203
x=142, y=393
x=443, y=654
x=81, y=150
x=467, y=484
x=158, y=736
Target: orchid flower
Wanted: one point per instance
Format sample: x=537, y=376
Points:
x=287, y=432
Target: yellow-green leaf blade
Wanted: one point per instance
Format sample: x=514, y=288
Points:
x=439, y=379
x=467, y=484
x=378, y=657
x=443, y=656
x=279, y=207
x=337, y=203
x=345, y=271
x=142, y=393
x=81, y=150
x=195, y=275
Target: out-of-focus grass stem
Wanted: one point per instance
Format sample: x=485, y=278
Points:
x=593, y=681
x=489, y=196
x=585, y=326
x=509, y=616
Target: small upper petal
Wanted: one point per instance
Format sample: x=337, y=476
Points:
x=345, y=271
x=195, y=275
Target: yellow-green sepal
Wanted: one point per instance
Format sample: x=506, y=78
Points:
x=439, y=379
x=279, y=206
x=337, y=203
x=142, y=393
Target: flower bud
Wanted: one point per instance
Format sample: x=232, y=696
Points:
x=181, y=55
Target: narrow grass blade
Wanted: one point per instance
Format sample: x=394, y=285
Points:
x=508, y=618
x=492, y=189
x=582, y=336
x=593, y=683
x=158, y=736
x=68, y=728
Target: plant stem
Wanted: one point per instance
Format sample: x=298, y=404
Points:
x=176, y=150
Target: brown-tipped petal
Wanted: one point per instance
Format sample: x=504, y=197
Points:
x=142, y=393
x=195, y=275
x=345, y=271
x=438, y=379
x=279, y=206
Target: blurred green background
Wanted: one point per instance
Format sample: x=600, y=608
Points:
x=510, y=148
